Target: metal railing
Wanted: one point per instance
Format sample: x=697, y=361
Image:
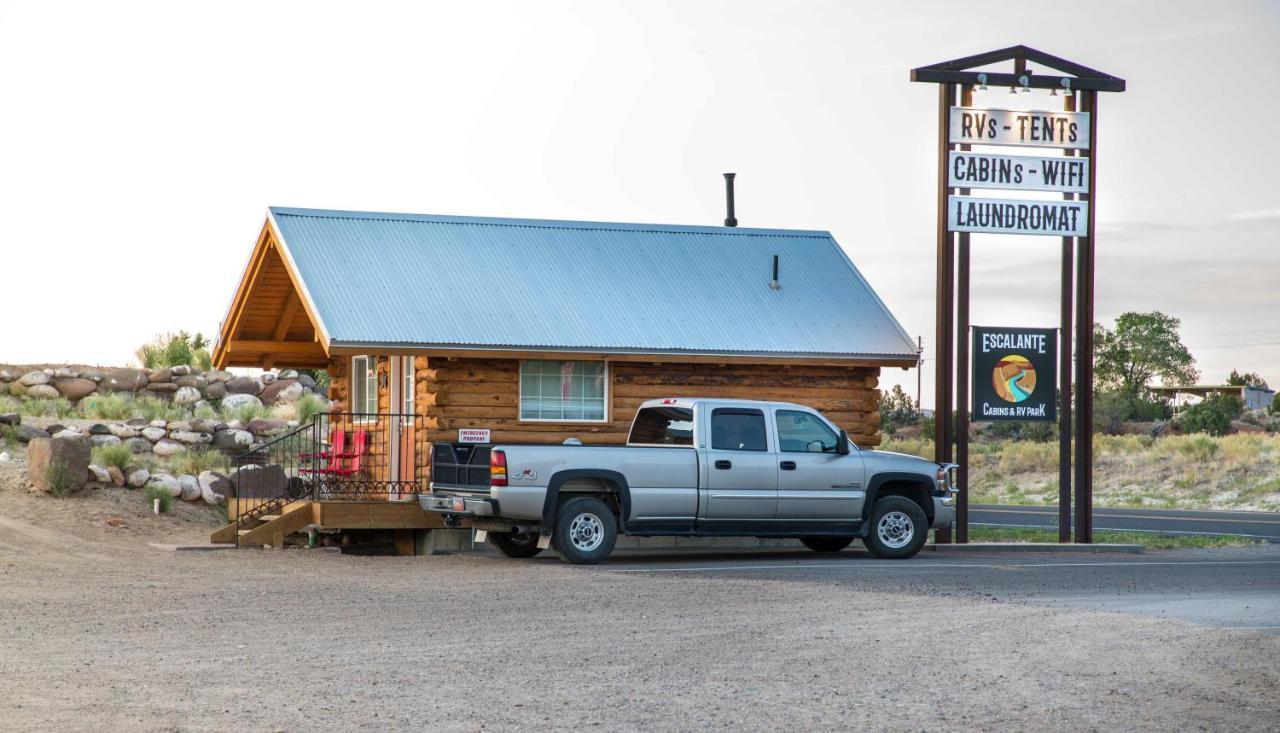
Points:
x=338, y=457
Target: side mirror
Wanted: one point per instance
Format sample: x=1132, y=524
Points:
x=842, y=443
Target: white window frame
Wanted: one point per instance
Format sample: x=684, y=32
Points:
x=370, y=376
x=608, y=383
x=408, y=403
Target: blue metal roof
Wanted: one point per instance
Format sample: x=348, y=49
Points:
x=469, y=282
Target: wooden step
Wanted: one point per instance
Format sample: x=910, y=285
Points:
x=268, y=517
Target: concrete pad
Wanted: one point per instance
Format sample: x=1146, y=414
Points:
x=190, y=548
x=1041, y=547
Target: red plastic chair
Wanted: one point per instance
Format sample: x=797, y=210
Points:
x=359, y=441
x=337, y=442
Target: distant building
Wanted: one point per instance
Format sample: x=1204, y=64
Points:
x=1253, y=398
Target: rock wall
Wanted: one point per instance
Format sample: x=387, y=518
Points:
x=182, y=385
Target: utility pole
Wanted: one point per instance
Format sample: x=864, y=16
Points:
x=919, y=371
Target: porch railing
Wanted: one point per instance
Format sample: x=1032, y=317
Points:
x=336, y=456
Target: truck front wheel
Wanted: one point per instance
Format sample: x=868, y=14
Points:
x=515, y=545
x=585, y=531
x=898, y=528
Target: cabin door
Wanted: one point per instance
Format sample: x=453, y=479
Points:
x=404, y=453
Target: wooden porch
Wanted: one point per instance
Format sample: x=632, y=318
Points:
x=271, y=529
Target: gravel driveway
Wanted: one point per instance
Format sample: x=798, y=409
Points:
x=101, y=631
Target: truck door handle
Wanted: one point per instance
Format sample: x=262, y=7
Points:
x=724, y=465
x=787, y=465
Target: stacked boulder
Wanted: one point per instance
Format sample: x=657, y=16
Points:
x=181, y=385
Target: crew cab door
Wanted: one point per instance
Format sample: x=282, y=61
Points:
x=815, y=482
x=741, y=468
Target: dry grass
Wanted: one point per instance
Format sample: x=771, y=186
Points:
x=1239, y=471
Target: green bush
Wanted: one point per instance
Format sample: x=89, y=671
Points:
x=1199, y=447
x=896, y=410
x=117, y=455
x=1213, y=415
x=154, y=408
x=309, y=405
x=1112, y=407
x=58, y=407
x=108, y=406
x=9, y=434
x=1038, y=432
x=321, y=377
x=206, y=412
x=58, y=475
x=195, y=460
x=174, y=349
x=1275, y=404
x=154, y=492
x=246, y=412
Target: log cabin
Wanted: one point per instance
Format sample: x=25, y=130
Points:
x=542, y=330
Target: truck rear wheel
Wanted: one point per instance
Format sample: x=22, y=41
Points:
x=898, y=528
x=515, y=545
x=585, y=531
x=826, y=544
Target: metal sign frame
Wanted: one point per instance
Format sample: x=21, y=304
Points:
x=959, y=78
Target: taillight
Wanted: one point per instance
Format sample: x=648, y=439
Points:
x=497, y=468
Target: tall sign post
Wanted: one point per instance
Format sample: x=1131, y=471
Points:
x=1012, y=374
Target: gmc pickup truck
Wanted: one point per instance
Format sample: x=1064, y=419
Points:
x=695, y=467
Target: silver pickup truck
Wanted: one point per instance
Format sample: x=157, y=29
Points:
x=695, y=467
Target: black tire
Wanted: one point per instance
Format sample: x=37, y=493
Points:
x=894, y=511
x=585, y=531
x=826, y=544
x=515, y=545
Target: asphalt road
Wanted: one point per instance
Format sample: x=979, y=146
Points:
x=1259, y=525
x=1222, y=588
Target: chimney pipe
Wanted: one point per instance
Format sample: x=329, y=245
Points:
x=729, y=220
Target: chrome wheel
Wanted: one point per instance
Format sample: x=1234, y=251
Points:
x=586, y=532
x=895, y=530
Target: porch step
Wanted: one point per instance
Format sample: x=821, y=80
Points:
x=268, y=517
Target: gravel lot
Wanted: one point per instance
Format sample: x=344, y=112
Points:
x=100, y=630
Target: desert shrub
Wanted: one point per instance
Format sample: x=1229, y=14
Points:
x=1213, y=415
x=1122, y=444
x=1028, y=457
x=10, y=404
x=1275, y=404
x=195, y=460
x=309, y=405
x=154, y=492
x=58, y=475
x=206, y=412
x=108, y=406
x=117, y=455
x=58, y=407
x=246, y=412
x=9, y=435
x=154, y=408
x=896, y=410
x=1198, y=447
x=321, y=377
x=1112, y=407
x=174, y=349
x=1034, y=431
x=922, y=447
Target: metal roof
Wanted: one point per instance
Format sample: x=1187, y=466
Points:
x=523, y=284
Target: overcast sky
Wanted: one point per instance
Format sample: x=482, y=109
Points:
x=141, y=143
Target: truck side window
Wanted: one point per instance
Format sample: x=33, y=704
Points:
x=801, y=432
x=662, y=426
x=734, y=428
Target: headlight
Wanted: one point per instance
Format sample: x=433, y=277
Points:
x=946, y=477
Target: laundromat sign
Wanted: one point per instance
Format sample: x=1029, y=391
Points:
x=1015, y=374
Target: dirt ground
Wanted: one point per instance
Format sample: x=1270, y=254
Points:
x=100, y=630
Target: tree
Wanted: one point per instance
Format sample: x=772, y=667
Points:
x=1248, y=379
x=174, y=349
x=1141, y=347
x=897, y=409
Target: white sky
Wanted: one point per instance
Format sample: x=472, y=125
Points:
x=140, y=144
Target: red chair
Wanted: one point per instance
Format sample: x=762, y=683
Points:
x=337, y=441
x=359, y=442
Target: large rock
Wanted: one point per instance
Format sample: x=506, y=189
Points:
x=42, y=392
x=266, y=426
x=11, y=418
x=173, y=425
x=189, y=437
x=204, y=426
x=100, y=440
x=232, y=438
x=160, y=375
x=62, y=372
x=267, y=377
x=215, y=391
x=244, y=385
x=260, y=481
x=73, y=453
x=74, y=388
x=306, y=381
x=154, y=434
x=137, y=477
x=17, y=389
x=68, y=433
x=99, y=474
x=168, y=448
x=215, y=487
x=99, y=429
x=116, y=475
x=186, y=396
x=282, y=390
x=238, y=400
x=123, y=380
x=7, y=376
x=92, y=375
x=31, y=379
x=123, y=432
x=166, y=482
x=162, y=387
x=190, y=487
x=219, y=376
x=28, y=433
x=138, y=445
x=180, y=370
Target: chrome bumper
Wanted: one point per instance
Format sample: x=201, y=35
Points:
x=944, y=511
x=459, y=505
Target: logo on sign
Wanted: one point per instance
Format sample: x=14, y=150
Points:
x=1014, y=378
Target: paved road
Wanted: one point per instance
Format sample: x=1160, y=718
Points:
x=1224, y=588
x=1260, y=525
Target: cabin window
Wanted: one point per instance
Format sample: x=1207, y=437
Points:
x=406, y=387
x=571, y=391
x=364, y=385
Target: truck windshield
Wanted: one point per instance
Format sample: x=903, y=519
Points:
x=663, y=426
